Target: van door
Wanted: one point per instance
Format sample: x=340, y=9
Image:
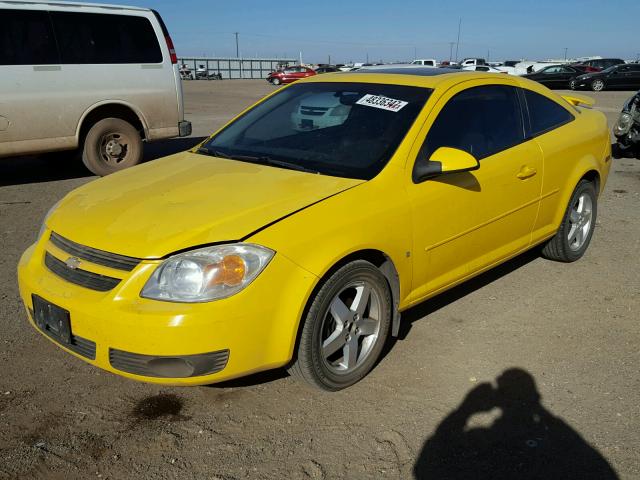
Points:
x=116, y=58
x=31, y=85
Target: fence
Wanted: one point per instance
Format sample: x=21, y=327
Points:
x=236, y=68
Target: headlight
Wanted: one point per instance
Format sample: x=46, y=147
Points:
x=624, y=123
x=207, y=274
x=43, y=227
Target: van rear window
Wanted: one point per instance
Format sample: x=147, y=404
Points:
x=26, y=38
x=93, y=38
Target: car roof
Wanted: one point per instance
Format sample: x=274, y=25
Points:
x=14, y=3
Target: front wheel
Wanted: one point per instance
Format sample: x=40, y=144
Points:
x=575, y=232
x=597, y=85
x=345, y=328
x=276, y=81
x=112, y=144
x=573, y=85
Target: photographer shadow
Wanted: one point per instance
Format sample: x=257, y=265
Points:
x=525, y=442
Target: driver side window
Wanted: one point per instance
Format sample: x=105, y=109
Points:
x=480, y=120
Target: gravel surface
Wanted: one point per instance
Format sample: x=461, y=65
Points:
x=529, y=371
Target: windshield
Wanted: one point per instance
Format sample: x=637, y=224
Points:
x=340, y=129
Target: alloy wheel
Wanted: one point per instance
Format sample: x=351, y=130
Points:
x=580, y=220
x=350, y=327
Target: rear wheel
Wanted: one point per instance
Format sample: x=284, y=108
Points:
x=112, y=144
x=345, y=328
x=597, y=85
x=575, y=232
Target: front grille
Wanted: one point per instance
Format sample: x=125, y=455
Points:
x=93, y=255
x=86, y=279
x=80, y=345
x=152, y=365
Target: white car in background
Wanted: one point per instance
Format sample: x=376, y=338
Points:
x=425, y=62
x=483, y=68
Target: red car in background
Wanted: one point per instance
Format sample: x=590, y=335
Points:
x=290, y=74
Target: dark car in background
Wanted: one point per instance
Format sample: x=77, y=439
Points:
x=555, y=76
x=599, y=64
x=290, y=74
x=621, y=77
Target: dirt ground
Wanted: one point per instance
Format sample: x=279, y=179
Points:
x=557, y=344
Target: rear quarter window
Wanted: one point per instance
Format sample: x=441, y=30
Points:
x=26, y=38
x=545, y=114
x=93, y=38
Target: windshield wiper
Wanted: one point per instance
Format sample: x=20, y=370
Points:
x=264, y=160
x=213, y=153
x=267, y=160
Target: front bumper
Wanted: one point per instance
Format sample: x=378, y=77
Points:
x=172, y=343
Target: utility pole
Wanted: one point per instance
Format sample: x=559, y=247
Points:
x=415, y=53
x=367, y=57
x=488, y=55
x=451, y=44
x=458, y=42
x=329, y=59
x=565, y=53
x=237, y=47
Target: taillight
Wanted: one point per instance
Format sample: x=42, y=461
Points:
x=172, y=50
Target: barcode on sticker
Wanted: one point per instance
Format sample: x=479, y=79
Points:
x=385, y=103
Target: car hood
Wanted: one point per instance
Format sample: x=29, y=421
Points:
x=183, y=201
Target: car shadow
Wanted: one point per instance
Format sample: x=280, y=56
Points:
x=522, y=439
x=67, y=165
x=442, y=300
x=252, y=380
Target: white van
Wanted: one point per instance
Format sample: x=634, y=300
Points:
x=101, y=78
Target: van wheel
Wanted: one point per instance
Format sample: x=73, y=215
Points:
x=345, y=328
x=112, y=144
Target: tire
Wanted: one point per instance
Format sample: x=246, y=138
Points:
x=569, y=245
x=338, y=323
x=597, y=85
x=573, y=85
x=112, y=144
x=276, y=81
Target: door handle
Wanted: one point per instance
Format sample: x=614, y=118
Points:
x=526, y=172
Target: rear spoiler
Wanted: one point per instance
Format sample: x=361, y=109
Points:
x=576, y=100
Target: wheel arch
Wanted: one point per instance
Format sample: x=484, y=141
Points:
x=380, y=260
x=111, y=109
x=586, y=170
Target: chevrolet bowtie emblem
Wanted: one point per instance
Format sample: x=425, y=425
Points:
x=73, y=262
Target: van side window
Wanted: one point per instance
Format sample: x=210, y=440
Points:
x=480, y=120
x=91, y=38
x=26, y=38
x=545, y=114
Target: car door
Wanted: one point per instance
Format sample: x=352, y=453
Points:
x=466, y=222
x=632, y=76
x=617, y=78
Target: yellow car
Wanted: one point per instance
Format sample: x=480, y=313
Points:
x=296, y=234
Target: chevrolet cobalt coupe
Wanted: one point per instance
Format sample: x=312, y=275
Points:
x=289, y=240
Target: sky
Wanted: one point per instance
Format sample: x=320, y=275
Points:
x=387, y=30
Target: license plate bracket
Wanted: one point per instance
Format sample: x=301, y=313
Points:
x=52, y=320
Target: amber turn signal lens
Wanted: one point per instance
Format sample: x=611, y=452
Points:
x=229, y=271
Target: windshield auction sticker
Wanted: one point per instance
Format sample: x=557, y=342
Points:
x=385, y=103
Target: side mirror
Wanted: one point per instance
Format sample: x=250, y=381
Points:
x=444, y=160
